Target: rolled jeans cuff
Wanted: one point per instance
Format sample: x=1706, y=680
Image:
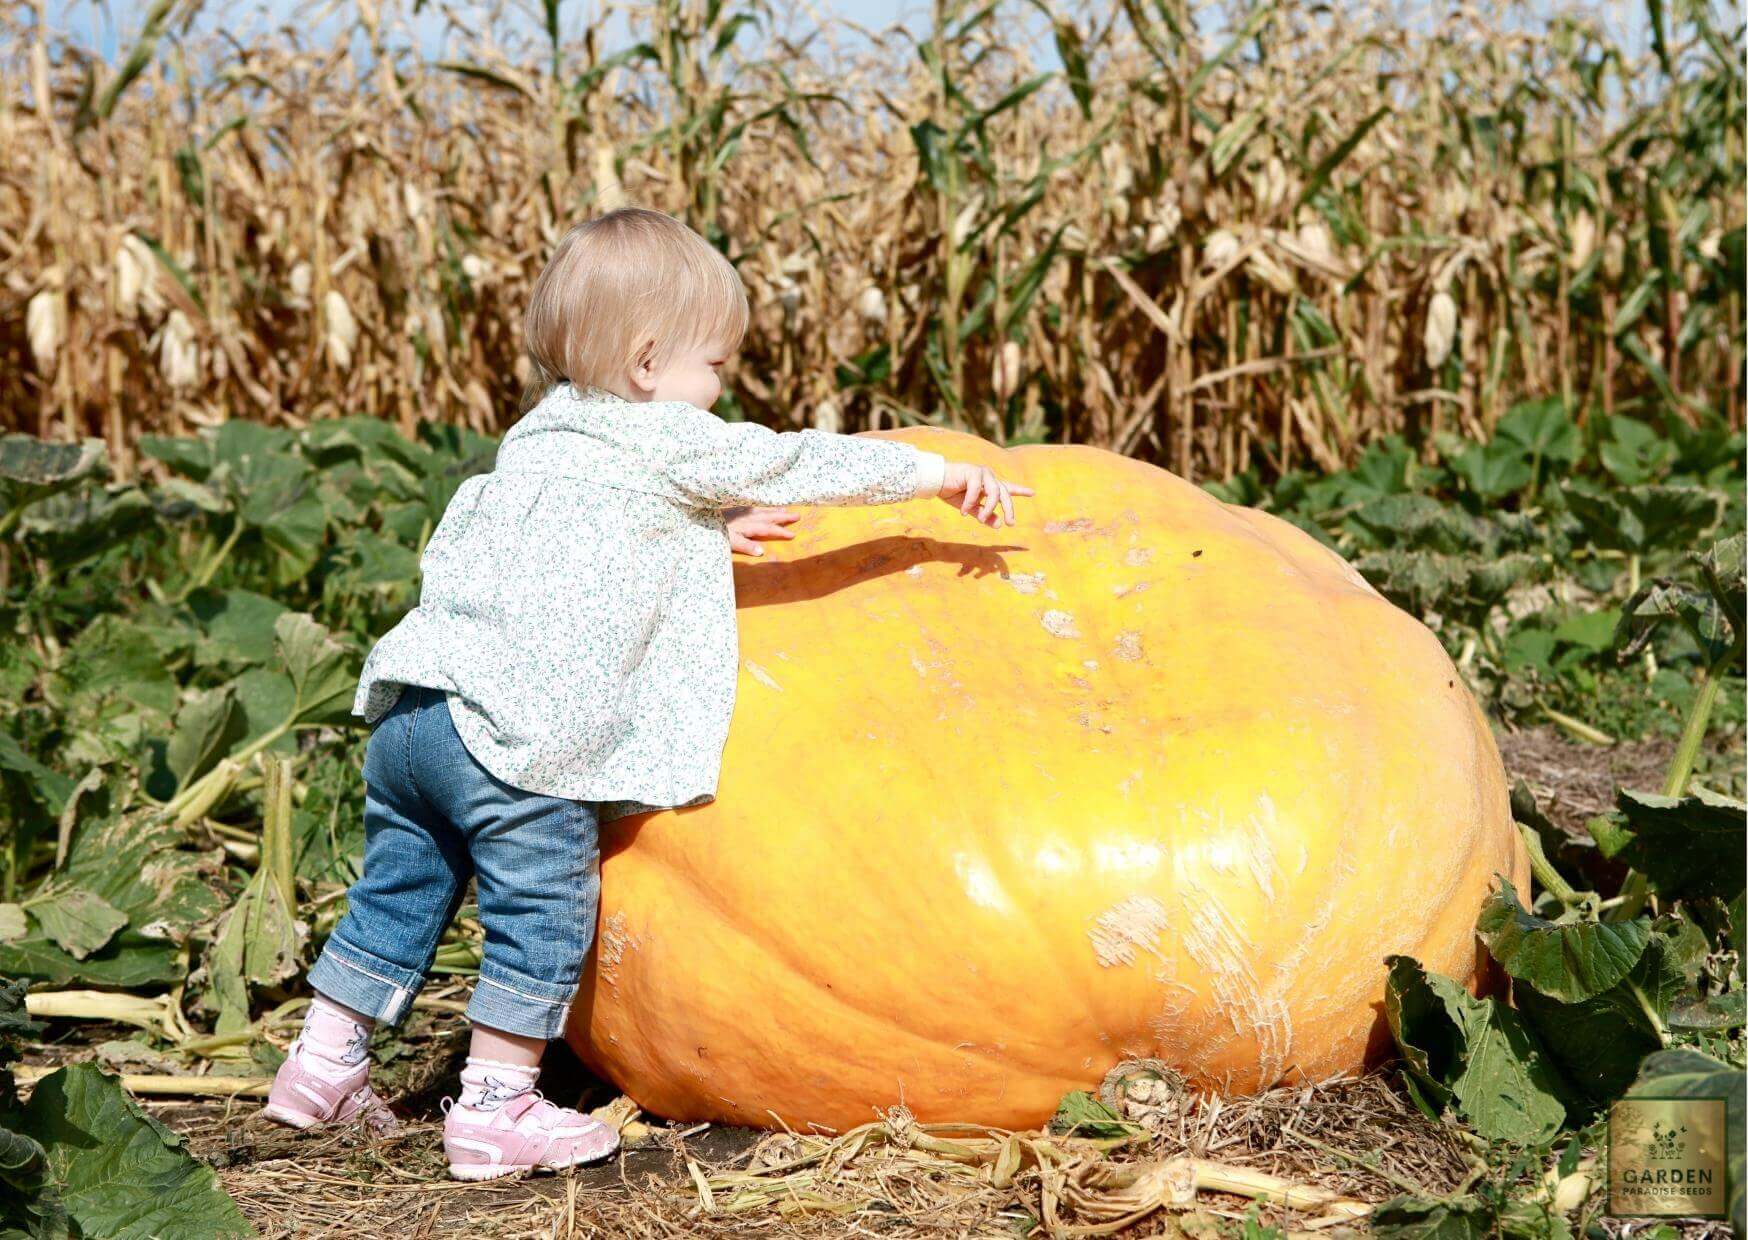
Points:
x=519, y=1004
x=365, y=982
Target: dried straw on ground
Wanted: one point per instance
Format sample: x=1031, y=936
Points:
x=1334, y=1148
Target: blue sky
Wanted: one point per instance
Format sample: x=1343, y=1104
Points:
x=109, y=25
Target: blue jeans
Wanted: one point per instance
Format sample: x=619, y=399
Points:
x=433, y=818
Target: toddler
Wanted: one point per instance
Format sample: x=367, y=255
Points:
x=572, y=660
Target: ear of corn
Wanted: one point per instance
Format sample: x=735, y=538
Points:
x=958, y=236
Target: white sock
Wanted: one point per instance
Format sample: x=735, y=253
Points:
x=334, y=1044
x=487, y=1084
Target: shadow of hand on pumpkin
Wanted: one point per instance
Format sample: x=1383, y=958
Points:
x=815, y=576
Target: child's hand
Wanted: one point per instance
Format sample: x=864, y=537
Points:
x=747, y=524
x=968, y=485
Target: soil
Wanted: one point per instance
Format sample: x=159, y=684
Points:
x=1574, y=782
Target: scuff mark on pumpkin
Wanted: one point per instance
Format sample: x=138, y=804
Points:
x=1076, y=526
x=1025, y=583
x=1137, y=556
x=616, y=940
x=1132, y=923
x=915, y=570
x=761, y=675
x=1129, y=645
x=1217, y=943
x=1261, y=852
x=1060, y=623
x=1124, y=591
x=1085, y=720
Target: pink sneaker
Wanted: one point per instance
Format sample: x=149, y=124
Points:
x=302, y=1099
x=527, y=1133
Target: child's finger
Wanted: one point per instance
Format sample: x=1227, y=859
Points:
x=1015, y=488
x=973, y=488
x=1007, y=503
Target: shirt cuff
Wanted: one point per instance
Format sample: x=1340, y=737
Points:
x=931, y=472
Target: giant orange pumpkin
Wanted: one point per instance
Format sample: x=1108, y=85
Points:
x=1146, y=774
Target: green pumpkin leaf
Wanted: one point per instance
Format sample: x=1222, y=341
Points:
x=1081, y=1113
x=1544, y=429
x=209, y=726
x=127, y=962
x=1712, y=613
x=71, y=528
x=15, y=1021
x=30, y=1205
x=1420, y=522
x=1473, y=1054
x=144, y=870
x=192, y=457
x=1493, y=470
x=1638, y=519
x=33, y=469
x=1598, y=1043
x=49, y=787
x=1570, y=962
x=113, y=659
x=120, y=1173
x=1725, y=1011
x=1593, y=630
x=237, y=626
x=1634, y=452
x=322, y=673
x=1421, y=1218
x=259, y=941
x=76, y=920
x=296, y=529
x=1724, y=566
x=1689, y=847
x=268, y=700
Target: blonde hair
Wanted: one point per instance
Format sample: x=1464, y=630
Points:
x=619, y=282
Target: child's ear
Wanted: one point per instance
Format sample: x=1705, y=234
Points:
x=643, y=367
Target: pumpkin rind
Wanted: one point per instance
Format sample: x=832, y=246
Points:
x=1146, y=774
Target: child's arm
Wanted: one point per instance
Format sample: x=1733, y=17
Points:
x=717, y=464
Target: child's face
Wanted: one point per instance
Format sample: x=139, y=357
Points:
x=692, y=375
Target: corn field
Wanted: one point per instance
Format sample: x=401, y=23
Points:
x=1263, y=248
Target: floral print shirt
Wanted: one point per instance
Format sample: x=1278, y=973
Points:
x=578, y=601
